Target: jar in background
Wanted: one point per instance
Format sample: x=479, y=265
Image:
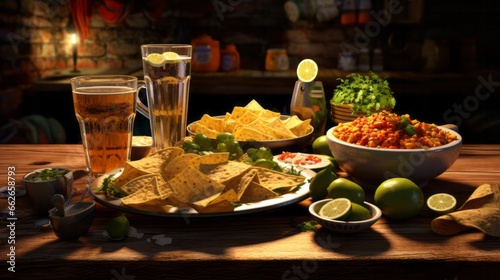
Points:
x=206, y=54
x=347, y=61
x=276, y=60
x=230, y=58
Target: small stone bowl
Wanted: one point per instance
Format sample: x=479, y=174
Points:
x=41, y=192
x=344, y=226
x=77, y=219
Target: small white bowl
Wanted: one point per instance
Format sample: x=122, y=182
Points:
x=344, y=226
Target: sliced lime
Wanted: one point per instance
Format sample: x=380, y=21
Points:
x=442, y=203
x=336, y=209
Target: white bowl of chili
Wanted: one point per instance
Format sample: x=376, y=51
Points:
x=370, y=166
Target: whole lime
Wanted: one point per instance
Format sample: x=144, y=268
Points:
x=399, y=198
x=320, y=146
x=118, y=228
x=342, y=187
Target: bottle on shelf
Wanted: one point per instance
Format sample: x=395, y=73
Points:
x=364, y=60
x=364, y=15
x=348, y=15
x=378, y=60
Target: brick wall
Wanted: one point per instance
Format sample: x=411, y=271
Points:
x=36, y=34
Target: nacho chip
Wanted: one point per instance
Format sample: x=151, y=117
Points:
x=255, y=192
x=221, y=206
x=254, y=105
x=297, y=126
x=151, y=164
x=192, y=186
x=245, y=133
x=147, y=194
x=140, y=182
x=209, y=160
x=202, y=129
x=177, y=165
x=216, y=124
x=239, y=183
x=481, y=211
x=274, y=180
x=224, y=172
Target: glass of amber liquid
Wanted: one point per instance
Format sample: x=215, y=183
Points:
x=105, y=107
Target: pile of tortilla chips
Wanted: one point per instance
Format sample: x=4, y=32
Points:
x=252, y=123
x=170, y=178
x=481, y=211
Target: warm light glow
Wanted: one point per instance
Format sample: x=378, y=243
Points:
x=74, y=39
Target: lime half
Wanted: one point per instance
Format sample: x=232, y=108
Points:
x=307, y=70
x=442, y=203
x=155, y=59
x=336, y=209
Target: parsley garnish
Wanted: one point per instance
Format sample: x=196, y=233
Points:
x=108, y=188
x=306, y=226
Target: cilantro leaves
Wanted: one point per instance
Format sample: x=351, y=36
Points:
x=367, y=93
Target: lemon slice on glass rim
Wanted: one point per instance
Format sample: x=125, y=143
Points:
x=307, y=70
x=171, y=57
x=442, y=203
x=155, y=59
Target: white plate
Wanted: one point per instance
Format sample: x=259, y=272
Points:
x=322, y=164
x=283, y=200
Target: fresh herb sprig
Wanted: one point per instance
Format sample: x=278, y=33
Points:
x=108, y=189
x=367, y=93
x=404, y=123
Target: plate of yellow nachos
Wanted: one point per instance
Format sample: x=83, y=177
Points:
x=254, y=126
x=172, y=183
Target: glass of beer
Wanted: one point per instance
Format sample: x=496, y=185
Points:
x=105, y=107
x=167, y=72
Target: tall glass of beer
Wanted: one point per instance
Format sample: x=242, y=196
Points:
x=167, y=73
x=105, y=107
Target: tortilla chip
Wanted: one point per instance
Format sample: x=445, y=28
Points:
x=177, y=165
x=216, y=124
x=221, y=206
x=148, y=194
x=481, y=211
x=297, y=126
x=192, y=186
x=239, y=183
x=140, y=182
x=244, y=133
x=209, y=160
x=273, y=180
x=151, y=164
x=254, y=105
x=224, y=172
x=202, y=129
x=256, y=192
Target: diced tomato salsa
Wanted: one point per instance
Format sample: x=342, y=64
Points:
x=298, y=158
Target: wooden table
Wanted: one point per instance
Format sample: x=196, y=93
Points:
x=262, y=245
